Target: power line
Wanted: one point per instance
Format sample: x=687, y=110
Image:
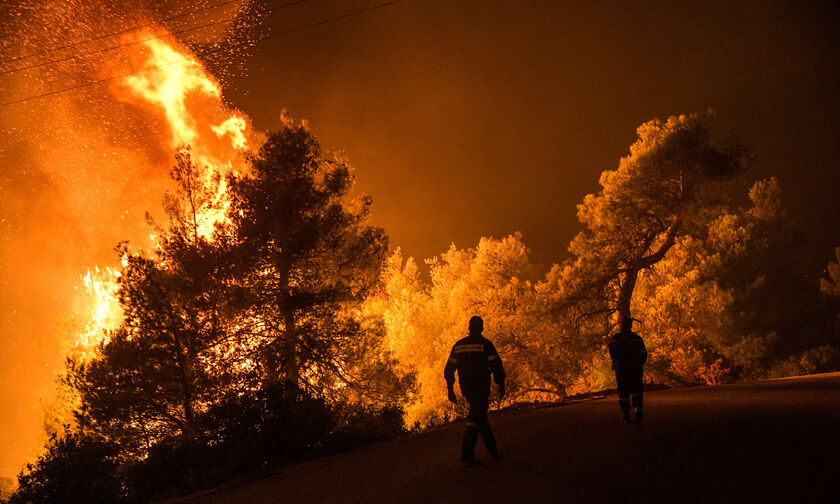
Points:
x=183, y=60
x=127, y=30
x=118, y=46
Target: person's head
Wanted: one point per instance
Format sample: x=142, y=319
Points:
x=626, y=324
x=476, y=325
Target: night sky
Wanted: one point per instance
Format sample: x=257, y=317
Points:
x=471, y=119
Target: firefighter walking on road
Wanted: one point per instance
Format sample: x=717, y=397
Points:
x=475, y=358
x=628, y=354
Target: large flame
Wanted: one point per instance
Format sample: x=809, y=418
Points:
x=81, y=169
x=188, y=100
x=100, y=286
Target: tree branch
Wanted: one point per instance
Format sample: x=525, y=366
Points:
x=654, y=258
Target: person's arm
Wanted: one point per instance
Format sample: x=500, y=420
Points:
x=449, y=375
x=644, y=351
x=612, y=346
x=494, y=361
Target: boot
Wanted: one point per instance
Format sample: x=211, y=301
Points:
x=471, y=461
x=636, y=400
x=489, y=440
x=468, y=445
x=625, y=410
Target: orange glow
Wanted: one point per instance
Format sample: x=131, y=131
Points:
x=185, y=104
x=105, y=312
x=189, y=101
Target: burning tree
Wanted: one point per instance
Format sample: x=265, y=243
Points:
x=272, y=287
x=156, y=373
x=193, y=339
x=276, y=289
x=304, y=259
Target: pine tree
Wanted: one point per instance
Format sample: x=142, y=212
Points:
x=671, y=183
x=158, y=371
x=304, y=259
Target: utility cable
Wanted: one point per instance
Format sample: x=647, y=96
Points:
x=274, y=35
x=118, y=46
x=127, y=30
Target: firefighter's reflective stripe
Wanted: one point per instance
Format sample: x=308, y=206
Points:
x=472, y=424
x=635, y=395
x=492, y=357
x=453, y=360
x=468, y=348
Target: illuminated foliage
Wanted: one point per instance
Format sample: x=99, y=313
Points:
x=662, y=225
x=496, y=280
x=831, y=285
x=694, y=302
x=668, y=186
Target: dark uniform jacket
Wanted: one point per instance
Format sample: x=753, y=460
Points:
x=628, y=352
x=475, y=358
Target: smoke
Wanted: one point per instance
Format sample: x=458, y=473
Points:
x=79, y=169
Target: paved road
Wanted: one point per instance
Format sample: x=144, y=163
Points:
x=769, y=441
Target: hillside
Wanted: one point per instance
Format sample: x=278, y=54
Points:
x=769, y=441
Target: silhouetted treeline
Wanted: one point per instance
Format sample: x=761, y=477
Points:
x=243, y=342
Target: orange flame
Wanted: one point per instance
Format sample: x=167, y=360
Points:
x=90, y=163
x=105, y=312
x=188, y=101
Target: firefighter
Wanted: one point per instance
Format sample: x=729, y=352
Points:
x=475, y=358
x=628, y=354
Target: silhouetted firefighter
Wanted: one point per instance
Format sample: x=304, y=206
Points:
x=628, y=354
x=475, y=358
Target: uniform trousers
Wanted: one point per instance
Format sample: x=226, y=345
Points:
x=630, y=388
x=477, y=423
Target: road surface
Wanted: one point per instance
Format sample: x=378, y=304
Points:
x=768, y=441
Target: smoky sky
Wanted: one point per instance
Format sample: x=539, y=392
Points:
x=469, y=119
x=463, y=119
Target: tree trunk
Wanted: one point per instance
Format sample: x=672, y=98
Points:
x=184, y=362
x=625, y=293
x=631, y=274
x=288, y=351
x=270, y=364
x=289, y=358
